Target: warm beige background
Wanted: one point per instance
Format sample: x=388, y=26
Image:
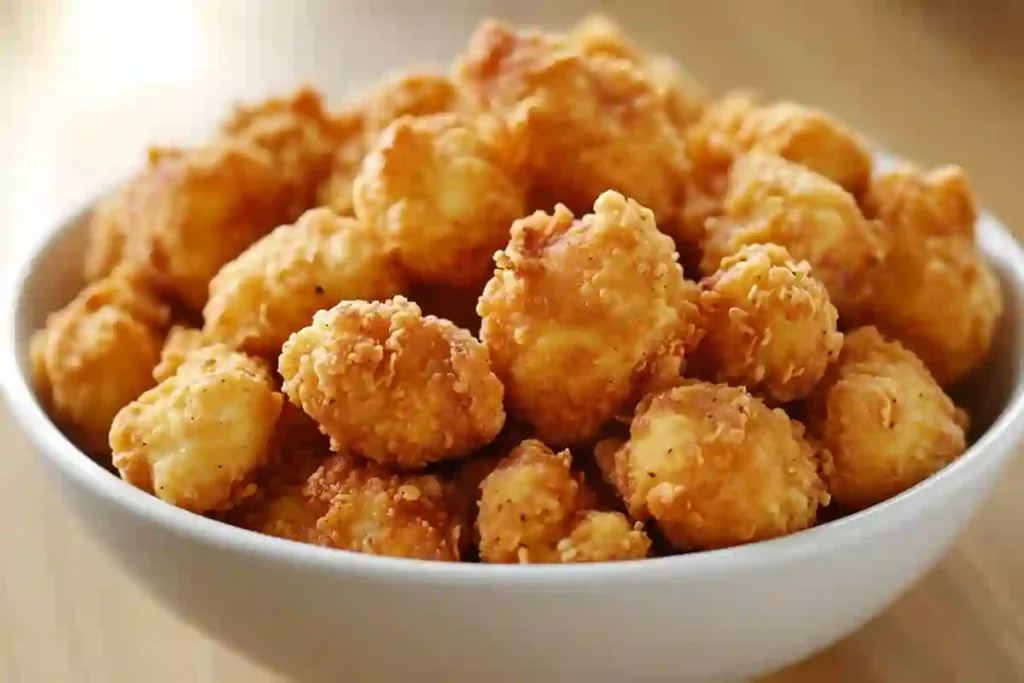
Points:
x=84, y=86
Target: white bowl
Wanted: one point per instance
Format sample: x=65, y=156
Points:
x=318, y=614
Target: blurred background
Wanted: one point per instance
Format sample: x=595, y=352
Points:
x=86, y=86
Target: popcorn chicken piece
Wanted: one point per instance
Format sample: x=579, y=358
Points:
x=934, y=291
x=274, y=287
x=181, y=342
x=590, y=123
x=584, y=315
x=443, y=195
x=335, y=191
x=886, y=422
x=767, y=324
x=392, y=385
x=96, y=355
x=715, y=467
x=534, y=509
x=299, y=137
x=771, y=200
x=197, y=439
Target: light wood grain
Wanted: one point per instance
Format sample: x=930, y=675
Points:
x=87, y=85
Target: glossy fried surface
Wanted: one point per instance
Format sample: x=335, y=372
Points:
x=772, y=200
x=934, y=291
x=392, y=385
x=443, y=194
x=590, y=122
x=600, y=301
x=886, y=422
x=767, y=324
x=97, y=354
x=534, y=509
x=197, y=439
x=274, y=287
x=715, y=467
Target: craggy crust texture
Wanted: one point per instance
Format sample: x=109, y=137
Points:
x=96, y=355
x=274, y=287
x=767, y=324
x=771, y=200
x=685, y=99
x=197, y=439
x=356, y=129
x=193, y=211
x=599, y=301
x=534, y=509
x=934, y=291
x=181, y=341
x=299, y=137
x=590, y=123
x=885, y=421
x=442, y=194
x=392, y=385
x=715, y=467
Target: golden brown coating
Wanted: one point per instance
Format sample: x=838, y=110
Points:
x=771, y=200
x=299, y=137
x=934, y=291
x=768, y=324
x=416, y=93
x=590, y=123
x=602, y=300
x=392, y=385
x=108, y=228
x=335, y=191
x=534, y=509
x=716, y=467
x=885, y=421
x=96, y=355
x=275, y=286
x=181, y=341
x=444, y=196
x=197, y=439
x=192, y=211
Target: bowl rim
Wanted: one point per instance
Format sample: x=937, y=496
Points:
x=995, y=240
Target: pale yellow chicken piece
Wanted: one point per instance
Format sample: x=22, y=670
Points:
x=298, y=135
x=934, y=291
x=534, y=509
x=96, y=355
x=583, y=316
x=767, y=324
x=392, y=385
x=886, y=422
x=589, y=123
x=274, y=287
x=771, y=200
x=443, y=195
x=197, y=439
x=715, y=467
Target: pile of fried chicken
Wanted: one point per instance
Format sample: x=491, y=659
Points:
x=450, y=321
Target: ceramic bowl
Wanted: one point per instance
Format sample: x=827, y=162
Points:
x=318, y=614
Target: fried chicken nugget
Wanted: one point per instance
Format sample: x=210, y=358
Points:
x=884, y=419
x=197, y=439
x=443, y=194
x=181, y=342
x=534, y=509
x=934, y=291
x=768, y=324
x=716, y=467
x=97, y=354
x=108, y=228
x=410, y=94
x=192, y=211
x=771, y=200
x=275, y=286
x=299, y=136
x=590, y=123
x=685, y=99
x=392, y=385
x=599, y=301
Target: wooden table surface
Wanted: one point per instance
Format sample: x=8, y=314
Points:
x=86, y=85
